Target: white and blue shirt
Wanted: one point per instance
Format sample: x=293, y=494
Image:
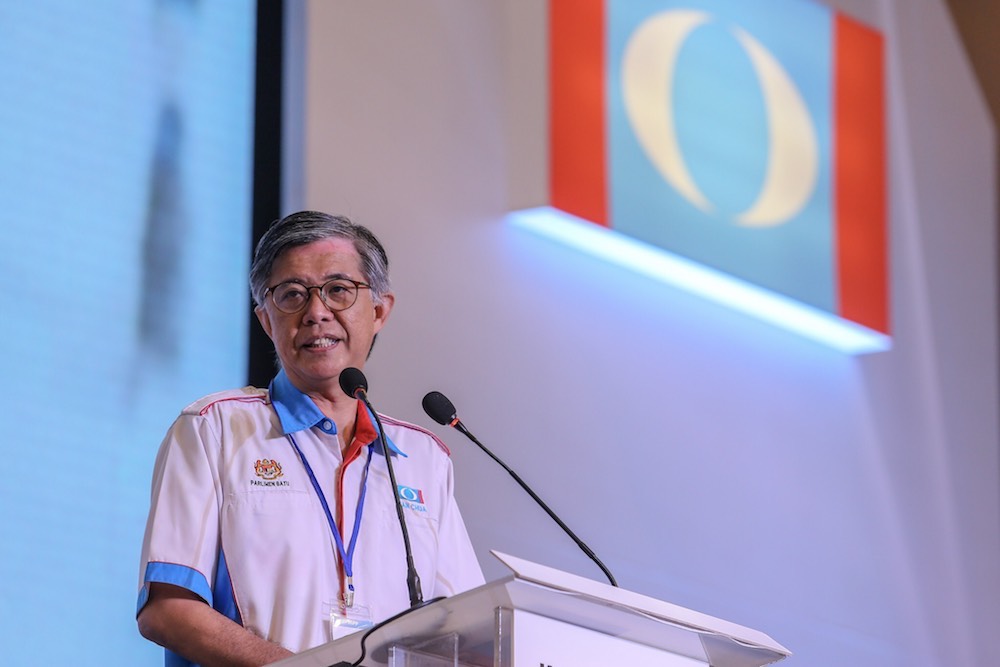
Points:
x=236, y=519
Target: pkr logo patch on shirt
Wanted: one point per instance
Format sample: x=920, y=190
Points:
x=412, y=498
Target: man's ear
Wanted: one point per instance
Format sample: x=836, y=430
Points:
x=265, y=320
x=382, y=310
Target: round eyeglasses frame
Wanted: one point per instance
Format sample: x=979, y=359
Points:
x=353, y=286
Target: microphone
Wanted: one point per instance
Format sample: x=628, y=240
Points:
x=353, y=383
x=440, y=409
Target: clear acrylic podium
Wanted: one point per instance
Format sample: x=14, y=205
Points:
x=541, y=617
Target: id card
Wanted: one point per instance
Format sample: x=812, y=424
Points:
x=344, y=620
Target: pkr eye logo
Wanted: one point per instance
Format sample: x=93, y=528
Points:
x=411, y=495
x=745, y=137
x=647, y=81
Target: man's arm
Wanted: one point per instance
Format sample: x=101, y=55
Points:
x=179, y=620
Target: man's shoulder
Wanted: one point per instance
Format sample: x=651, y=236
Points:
x=247, y=397
x=406, y=434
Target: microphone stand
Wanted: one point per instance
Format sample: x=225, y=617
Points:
x=412, y=578
x=440, y=409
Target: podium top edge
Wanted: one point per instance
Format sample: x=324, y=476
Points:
x=550, y=577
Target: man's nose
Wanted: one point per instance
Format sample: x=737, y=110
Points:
x=316, y=310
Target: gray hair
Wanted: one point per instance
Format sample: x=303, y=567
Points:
x=307, y=227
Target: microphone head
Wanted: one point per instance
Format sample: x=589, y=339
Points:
x=439, y=408
x=353, y=381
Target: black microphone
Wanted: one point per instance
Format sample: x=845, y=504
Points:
x=353, y=383
x=440, y=409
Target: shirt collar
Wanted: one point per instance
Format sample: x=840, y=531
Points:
x=366, y=432
x=297, y=412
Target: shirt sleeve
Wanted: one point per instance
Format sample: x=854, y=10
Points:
x=458, y=568
x=181, y=543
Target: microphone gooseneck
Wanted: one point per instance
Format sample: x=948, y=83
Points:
x=354, y=383
x=440, y=409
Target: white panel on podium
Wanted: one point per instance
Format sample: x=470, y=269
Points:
x=539, y=640
x=483, y=628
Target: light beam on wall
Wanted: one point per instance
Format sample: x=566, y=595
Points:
x=701, y=280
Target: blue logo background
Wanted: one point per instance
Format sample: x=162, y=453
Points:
x=722, y=129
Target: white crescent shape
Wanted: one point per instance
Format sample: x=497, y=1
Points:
x=647, y=89
x=793, y=156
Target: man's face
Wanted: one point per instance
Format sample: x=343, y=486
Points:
x=316, y=344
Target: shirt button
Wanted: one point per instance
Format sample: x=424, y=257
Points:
x=327, y=425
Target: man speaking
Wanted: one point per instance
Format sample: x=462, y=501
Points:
x=273, y=525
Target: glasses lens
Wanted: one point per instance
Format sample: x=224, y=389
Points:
x=340, y=294
x=290, y=297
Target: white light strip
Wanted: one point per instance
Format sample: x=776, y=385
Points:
x=731, y=292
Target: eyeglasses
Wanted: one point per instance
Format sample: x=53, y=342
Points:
x=292, y=296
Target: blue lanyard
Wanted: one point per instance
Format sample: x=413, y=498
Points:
x=346, y=556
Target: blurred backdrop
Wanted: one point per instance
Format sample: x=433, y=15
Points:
x=125, y=236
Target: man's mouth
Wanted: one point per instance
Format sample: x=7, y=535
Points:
x=321, y=343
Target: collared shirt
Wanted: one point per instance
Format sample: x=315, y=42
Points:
x=235, y=519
